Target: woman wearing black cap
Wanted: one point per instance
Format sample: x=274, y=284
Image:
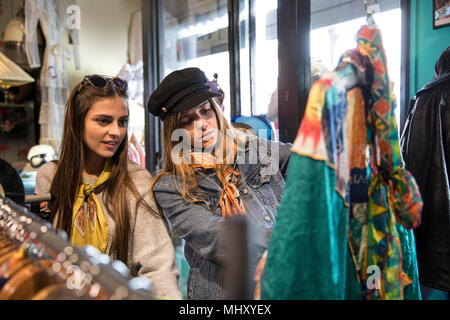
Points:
x=213, y=172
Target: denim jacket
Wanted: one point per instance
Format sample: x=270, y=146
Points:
x=201, y=225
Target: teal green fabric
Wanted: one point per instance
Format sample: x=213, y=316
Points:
x=309, y=243
x=346, y=153
x=409, y=263
x=183, y=268
x=310, y=240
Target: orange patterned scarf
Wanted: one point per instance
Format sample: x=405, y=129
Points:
x=229, y=202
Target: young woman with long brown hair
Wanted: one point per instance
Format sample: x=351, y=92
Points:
x=215, y=172
x=101, y=198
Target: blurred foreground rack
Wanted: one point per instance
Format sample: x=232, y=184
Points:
x=37, y=262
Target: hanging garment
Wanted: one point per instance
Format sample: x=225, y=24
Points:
x=344, y=224
x=133, y=154
x=31, y=42
x=133, y=70
x=139, y=148
x=426, y=150
x=135, y=39
x=54, y=77
x=136, y=120
x=134, y=75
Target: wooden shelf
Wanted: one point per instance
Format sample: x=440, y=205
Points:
x=26, y=104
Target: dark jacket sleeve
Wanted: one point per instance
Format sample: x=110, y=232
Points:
x=285, y=156
x=198, y=226
x=421, y=141
x=425, y=149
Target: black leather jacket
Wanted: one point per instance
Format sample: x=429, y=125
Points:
x=425, y=145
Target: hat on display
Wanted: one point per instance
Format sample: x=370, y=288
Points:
x=40, y=154
x=181, y=90
x=258, y=125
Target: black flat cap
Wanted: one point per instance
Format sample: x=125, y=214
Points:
x=181, y=90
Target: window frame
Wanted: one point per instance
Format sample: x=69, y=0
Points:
x=294, y=80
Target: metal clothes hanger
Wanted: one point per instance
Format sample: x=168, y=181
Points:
x=370, y=10
x=103, y=278
x=58, y=291
x=25, y=276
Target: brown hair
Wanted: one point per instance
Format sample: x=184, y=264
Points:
x=188, y=176
x=68, y=176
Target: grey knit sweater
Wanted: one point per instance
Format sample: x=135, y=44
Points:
x=150, y=249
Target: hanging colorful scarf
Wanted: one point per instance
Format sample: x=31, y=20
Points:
x=348, y=110
x=393, y=193
x=90, y=226
x=230, y=202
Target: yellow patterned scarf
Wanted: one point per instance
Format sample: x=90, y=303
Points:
x=91, y=228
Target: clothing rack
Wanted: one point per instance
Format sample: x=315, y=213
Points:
x=96, y=276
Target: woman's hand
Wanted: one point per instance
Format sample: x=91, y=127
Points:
x=43, y=206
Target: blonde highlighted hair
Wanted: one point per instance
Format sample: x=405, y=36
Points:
x=187, y=175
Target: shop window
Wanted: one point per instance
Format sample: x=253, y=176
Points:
x=266, y=55
x=196, y=35
x=258, y=85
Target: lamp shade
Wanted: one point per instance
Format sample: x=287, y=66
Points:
x=11, y=74
x=14, y=31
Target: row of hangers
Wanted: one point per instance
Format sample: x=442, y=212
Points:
x=38, y=262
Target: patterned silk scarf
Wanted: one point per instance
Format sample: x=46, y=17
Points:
x=393, y=193
x=90, y=226
x=349, y=109
x=230, y=203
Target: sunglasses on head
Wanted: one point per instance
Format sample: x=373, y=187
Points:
x=100, y=82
